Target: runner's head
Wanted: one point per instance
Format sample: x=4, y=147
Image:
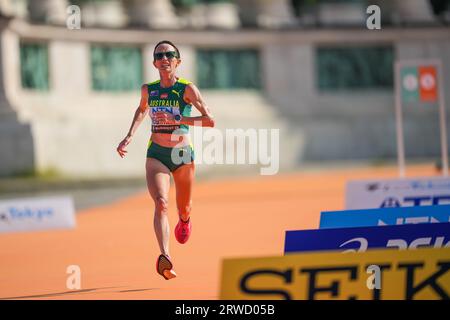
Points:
x=166, y=56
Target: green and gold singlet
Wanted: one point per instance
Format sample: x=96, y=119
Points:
x=169, y=100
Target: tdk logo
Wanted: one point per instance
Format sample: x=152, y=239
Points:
x=410, y=220
x=390, y=203
x=362, y=244
x=16, y=213
x=164, y=109
x=415, y=201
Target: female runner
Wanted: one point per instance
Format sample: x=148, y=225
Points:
x=169, y=151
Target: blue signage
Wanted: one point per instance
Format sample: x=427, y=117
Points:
x=384, y=216
x=408, y=236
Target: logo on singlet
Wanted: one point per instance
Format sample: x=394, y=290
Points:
x=176, y=92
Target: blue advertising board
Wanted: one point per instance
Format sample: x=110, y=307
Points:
x=408, y=236
x=384, y=216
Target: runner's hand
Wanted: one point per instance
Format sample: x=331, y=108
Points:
x=122, y=145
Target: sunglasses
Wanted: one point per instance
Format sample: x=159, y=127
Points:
x=168, y=54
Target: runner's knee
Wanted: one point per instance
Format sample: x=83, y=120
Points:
x=161, y=205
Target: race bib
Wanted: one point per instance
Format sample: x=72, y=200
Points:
x=172, y=110
x=161, y=127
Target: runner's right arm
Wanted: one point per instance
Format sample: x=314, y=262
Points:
x=139, y=115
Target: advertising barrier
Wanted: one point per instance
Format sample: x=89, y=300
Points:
x=408, y=236
x=404, y=275
x=365, y=194
x=30, y=214
x=384, y=216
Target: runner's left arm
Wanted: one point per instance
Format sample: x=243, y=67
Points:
x=192, y=96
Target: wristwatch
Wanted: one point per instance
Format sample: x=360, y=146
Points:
x=177, y=117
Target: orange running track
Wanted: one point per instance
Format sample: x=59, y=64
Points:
x=116, y=248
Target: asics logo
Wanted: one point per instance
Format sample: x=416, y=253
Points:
x=363, y=245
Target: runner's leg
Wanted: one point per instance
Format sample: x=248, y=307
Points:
x=158, y=183
x=184, y=178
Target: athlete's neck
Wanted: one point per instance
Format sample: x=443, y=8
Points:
x=167, y=80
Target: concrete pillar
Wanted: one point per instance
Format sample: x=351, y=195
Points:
x=5, y=108
x=223, y=15
x=217, y=15
x=342, y=13
x=16, y=140
x=266, y=13
x=157, y=14
x=150, y=73
x=48, y=11
x=188, y=66
x=70, y=69
x=108, y=13
x=14, y=8
x=5, y=7
x=195, y=16
x=412, y=11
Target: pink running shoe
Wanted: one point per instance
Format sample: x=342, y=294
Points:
x=183, y=231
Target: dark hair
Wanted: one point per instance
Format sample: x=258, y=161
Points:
x=167, y=42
